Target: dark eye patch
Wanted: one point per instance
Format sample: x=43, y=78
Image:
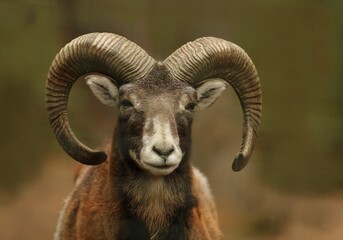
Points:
x=125, y=104
x=190, y=106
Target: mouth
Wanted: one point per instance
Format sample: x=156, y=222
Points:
x=160, y=166
x=158, y=169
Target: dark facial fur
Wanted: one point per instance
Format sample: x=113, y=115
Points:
x=157, y=95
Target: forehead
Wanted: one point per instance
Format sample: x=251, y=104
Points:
x=158, y=83
x=157, y=94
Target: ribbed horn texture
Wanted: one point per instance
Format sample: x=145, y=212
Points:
x=102, y=53
x=210, y=57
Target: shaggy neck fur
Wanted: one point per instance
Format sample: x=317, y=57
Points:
x=151, y=207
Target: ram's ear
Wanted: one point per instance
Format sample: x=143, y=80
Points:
x=209, y=91
x=104, y=89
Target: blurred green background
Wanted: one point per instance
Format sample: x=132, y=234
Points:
x=293, y=187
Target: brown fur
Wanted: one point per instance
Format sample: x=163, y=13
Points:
x=93, y=209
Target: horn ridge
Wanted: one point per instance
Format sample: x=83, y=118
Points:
x=210, y=57
x=102, y=53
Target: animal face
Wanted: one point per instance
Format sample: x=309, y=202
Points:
x=155, y=117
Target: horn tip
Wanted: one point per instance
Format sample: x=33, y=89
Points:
x=95, y=158
x=240, y=162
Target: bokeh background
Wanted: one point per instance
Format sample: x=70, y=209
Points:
x=293, y=186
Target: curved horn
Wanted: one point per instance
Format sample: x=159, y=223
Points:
x=102, y=53
x=210, y=57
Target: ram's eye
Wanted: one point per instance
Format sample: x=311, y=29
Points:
x=125, y=104
x=190, y=106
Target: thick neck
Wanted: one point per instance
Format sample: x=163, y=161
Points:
x=151, y=205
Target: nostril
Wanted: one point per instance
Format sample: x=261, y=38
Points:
x=163, y=152
x=169, y=151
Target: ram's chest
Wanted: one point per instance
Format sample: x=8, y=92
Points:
x=133, y=228
x=152, y=202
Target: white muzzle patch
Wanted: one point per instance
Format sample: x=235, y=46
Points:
x=161, y=153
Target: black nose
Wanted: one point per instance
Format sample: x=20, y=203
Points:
x=163, y=152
